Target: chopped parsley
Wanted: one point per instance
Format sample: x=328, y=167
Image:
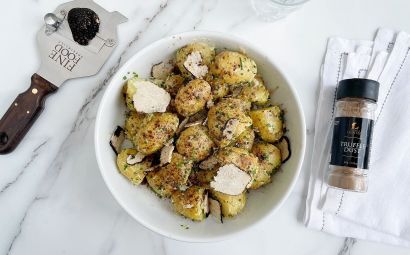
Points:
x=132, y=75
x=184, y=226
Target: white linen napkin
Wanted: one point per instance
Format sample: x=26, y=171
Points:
x=383, y=213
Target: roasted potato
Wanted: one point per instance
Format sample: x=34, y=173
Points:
x=202, y=178
x=254, y=92
x=262, y=178
x=230, y=205
x=192, y=97
x=134, y=173
x=173, y=83
x=128, y=91
x=158, y=128
x=194, y=143
x=269, y=156
x=268, y=123
x=223, y=113
x=246, y=139
x=207, y=56
x=269, y=161
x=170, y=177
x=241, y=158
x=191, y=203
x=233, y=67
x=219, y=88
x=133, y=122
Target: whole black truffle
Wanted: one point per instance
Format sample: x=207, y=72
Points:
x=84, y=24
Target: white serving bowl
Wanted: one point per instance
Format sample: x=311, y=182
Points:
x=155, y=213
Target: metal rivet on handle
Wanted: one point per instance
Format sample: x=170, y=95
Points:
x=34, y=91
x=52, y=23
x=3, y=138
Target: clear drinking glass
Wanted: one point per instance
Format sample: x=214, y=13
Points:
x=271, y=10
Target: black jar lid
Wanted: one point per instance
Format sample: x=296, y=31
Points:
x=358, y=88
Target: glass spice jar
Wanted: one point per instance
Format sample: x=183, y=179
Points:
x=352, y=134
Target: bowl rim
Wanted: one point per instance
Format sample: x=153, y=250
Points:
x=200, y=34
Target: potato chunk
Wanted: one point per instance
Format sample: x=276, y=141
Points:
x=192, y=97
x=134, y=173
x=171, y=177
x=269, y=156
x=241, y=158
x=173, y=83
x=230, y=205
x=128, y=91
x=133, y=123
x=245, y=140
x=207, y=55
x=223, y=113
x=219, y=88
x=194, y=143
x=254, y=92
x=202, y=178
x=191, y=203
x=158, y=128
x=268, y=123
x=269, y=162
x=233, y=67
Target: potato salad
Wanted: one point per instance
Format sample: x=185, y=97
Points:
x=202, y=132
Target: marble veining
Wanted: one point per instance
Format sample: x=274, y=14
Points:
x=33, y=157
x=52, y=197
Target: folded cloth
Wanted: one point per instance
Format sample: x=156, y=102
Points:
x=383, y=213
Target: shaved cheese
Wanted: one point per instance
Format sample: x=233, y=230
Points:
x=230, y=180
x=134, y=159
x=230, y=128
x=150, y=98
x=161, y=70
x=166, y=154
x=193, y=64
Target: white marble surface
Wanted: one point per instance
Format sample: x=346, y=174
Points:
x=52, y=197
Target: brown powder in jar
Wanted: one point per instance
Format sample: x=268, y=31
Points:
x=352, y=132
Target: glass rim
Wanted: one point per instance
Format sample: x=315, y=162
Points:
x=290, y=4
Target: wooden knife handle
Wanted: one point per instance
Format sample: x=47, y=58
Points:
x=23, y=112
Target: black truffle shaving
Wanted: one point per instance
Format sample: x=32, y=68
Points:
x=117, y=139
x=215, y=209
x=84, y=24
x=284, y=147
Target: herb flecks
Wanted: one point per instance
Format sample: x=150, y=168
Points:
x=130, y=75
x=184, y=226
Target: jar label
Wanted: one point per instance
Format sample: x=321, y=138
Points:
x=351, y=142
